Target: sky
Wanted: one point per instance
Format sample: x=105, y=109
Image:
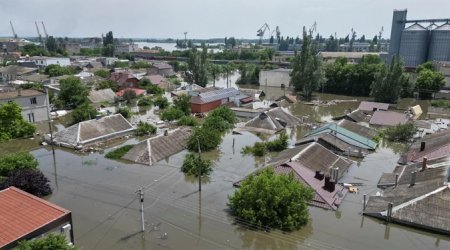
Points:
x=208, y=18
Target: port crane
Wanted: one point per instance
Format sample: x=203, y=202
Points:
x=39, y=33
x=261, y=31
x=13, y=31
x=45, y=30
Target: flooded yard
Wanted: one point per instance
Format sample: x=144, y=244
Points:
x=101, y=194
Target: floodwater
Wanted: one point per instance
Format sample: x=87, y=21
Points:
x=170, y=46
x=101, y=195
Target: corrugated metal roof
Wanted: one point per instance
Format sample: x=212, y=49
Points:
x=416, y=27
x=444, y=27
x=218, y=94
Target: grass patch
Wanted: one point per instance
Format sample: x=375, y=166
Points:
x=440, y=103
x=119, y=152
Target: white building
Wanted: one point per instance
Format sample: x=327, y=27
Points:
x=125, y=48
x=32, y=102
x=275, y=78
x=45, y=61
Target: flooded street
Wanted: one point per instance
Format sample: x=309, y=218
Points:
x=101, y=195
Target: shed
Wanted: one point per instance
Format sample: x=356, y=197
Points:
x=388, y=118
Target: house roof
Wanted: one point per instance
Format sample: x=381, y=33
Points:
x=345, y=135
x=288, y=98
x=155, y=79
x=370, y=106
x=22, y=213
x=121, y=77
x=256, y=93
x=322, y=198
x=92, y=130
x=17, y=70
x=437, y=146
x=161, y=146
x=358, y=116
x=388, y=118
x=438, y=111
x=274, y=119
x=136, y=90
x=94, y=65
x=162, y=66
x=4, y=95
x=423, y=205
x=335, y=144
x=101, y=95
x=358, y=129
x=313, y=156
x=214, y=95
x=35, y=78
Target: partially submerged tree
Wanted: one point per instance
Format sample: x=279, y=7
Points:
x=388, y=82
x=401, y=132
x=29, y=180
x=193, y=164
x=23, y=160
x=48, y=242
x=72, y=93
x=272, y=200
x=84, y=112
x=197, y=65
x=183, y=102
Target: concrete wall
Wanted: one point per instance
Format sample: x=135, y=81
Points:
x=32, y=112
x=275, y=78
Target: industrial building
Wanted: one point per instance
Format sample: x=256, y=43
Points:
x=418, y=41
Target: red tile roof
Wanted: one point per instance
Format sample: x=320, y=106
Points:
x=136, y=90
x=22, y=213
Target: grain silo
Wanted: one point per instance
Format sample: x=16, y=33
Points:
x=414, y=45
x=440, y=44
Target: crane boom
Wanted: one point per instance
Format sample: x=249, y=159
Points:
x=39, y=33
x=45, y=30
x=261, y=31
x=13, y=31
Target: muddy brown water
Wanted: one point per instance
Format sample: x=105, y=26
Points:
x=101, y=195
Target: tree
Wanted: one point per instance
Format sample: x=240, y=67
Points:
x=161, y=102
x=145, y=101
x=32, y=181
x=12, y=124
x=124, y=111
x=48, y=242
x=144, y=128
x=84, y=112
x=129, y=95
x=401, y=132
x=108, y=84
x=271, y=40
x=72, y=93
x=307, y=74
x=108, y=50
x=193, y=164
x=50, y=44
x=56, y=70
x=108, y=39
x=183, y=103
x=172, y=113
x=11, y=162
x=187, y=121
x=209, y=139
x=271, y=200
x=425, y=66
x=197, y=65
x=102, y=73
x=388, y=82
x=429, y=82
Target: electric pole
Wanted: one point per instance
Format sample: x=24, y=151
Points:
x=199, y=167
x=141, y=196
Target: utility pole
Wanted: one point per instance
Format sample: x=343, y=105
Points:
x=199, y=167
x=141, y=196
x=50, y=127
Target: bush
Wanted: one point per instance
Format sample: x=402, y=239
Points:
x=161, y=102
x=84, y=112
x=261, y=148
x=216, y=123
x=29, y=180
x=208, y=139
x=102, y=73
x=271, y=200
x=48, y=242
x=440, y=103
x=192, y=163
x=401, y=132
x=119, y=152
x=11, y=162
x=124, y=111
x=171, y=114
x=129, y=95
x=144, y=128
x=187, y=121
x=258, y=149
x=225, y=113
x=145, y=101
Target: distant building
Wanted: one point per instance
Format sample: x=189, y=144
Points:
x=13, y=72
x=91, y=43
x=8, y=45
x=124, y=79
x=72, y=48
x=360, y=46
x=163, y=69
x=25, y=217
x=43, y=62
x=352, y=57
x=32, y=102
x=125, y=48
x=275, y=78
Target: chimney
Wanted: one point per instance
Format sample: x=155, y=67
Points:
x=321, y=175
x=413, y=178
x=317, y=176
x=396, y=179
x=166, y=132
x=422, y=146
x=331, y=185
x=327, y=182
x=336, y=173
x=424, y=163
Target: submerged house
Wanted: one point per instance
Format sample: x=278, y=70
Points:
x=433, y=147
x=207, y=101
x=93, y=131
x=416, y=195
x=157, y=148
x=272, y=121
x=388, y=118
x=373, y=106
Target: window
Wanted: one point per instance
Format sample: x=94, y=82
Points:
x=33, y=100
x=31, y=117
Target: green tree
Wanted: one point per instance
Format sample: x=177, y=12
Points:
x=124, y=111
x=425, y=66
x=83, y=112
x=102, y=73
x=49, y=242
x=23, y=160
x=225, y=113
x=108, y=50
x=388, y=82
x=172, y=113
x=307, y=73
x=197, y=65
x=145, y=101
x=183, y=102
x=50, y=44
x=144, y=128
x=187, y=121
x=429, y=82
x=108, y=39
x=161, y=102
x=108, y=84
x=12, y=124
x=209, y=139
x=32, y=181
x=129, y=95
x=271, y=200
x=56, y=70
x=193, y=164
x=401, y=132
x=72, y=93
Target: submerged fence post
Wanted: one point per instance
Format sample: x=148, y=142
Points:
x=364, y=202
x=389, y=212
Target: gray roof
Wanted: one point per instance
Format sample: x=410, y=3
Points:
x=215, y=95
x=388, y=118
x=92, y=131
x=102, y=95
x=369, y=106
x=161, y=147
x=274, y=119
x=358, y=129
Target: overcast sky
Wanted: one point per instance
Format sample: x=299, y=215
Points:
x=208, y=18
